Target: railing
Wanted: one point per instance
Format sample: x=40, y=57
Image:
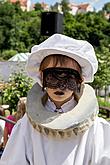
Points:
x=106, y=111
x=7, y=120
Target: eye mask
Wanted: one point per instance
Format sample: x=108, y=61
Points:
x=62, y=78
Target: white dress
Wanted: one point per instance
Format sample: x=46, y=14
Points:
x=27, y=146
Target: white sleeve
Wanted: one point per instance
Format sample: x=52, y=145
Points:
x=101, y=147
x=15, y=152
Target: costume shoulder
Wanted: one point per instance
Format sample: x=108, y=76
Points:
x=101, y=147
x=102, y=125
x=16, y=150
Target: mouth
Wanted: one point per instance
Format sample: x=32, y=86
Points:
x=59, y=93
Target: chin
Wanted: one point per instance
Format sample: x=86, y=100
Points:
x=59, y=98
x=58, y=95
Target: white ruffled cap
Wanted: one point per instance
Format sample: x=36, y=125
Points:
x=81, y=51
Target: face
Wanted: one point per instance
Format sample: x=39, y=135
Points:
x=59, y=94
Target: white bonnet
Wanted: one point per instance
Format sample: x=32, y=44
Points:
x=80, y=50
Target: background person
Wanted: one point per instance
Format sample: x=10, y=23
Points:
x=8, y=128
x=2, y=125
x=21, y=108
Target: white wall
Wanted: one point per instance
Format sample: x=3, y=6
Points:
x=9, y=67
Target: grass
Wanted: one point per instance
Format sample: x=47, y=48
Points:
x=104, y=103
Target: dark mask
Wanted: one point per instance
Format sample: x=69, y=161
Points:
x=62, y=78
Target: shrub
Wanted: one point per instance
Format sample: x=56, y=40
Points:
x=19, y=85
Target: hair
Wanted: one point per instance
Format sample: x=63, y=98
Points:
x=58, y=58
x=2, y=112
x=21, y=108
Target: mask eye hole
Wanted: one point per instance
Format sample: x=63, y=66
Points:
x=50, y=79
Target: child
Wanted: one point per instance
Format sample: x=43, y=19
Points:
x=18, y=115
x=8, y=128
x=60, y=126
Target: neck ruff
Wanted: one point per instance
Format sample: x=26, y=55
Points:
x=62, y=125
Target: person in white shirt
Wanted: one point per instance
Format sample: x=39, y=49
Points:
x=61, y=125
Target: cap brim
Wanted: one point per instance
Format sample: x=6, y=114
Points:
x=35, y=59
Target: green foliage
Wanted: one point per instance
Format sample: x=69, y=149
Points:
x=106, y=7
x=89, y=26
x=38, y=7
x=102, y=77
x=5, y=55
x=7, y=12
x=18, y=30
x=19, y=86
x=65, y=6
x=103, y=103
x=25, y=32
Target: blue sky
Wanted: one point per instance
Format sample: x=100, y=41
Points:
x=97, y=4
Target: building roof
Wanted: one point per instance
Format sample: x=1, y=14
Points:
x=83, y=6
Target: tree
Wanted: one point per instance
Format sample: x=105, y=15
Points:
x=102, y=77
x=7, y=11
x=106, y=8
x=19, y=86
x=7, y=54
x=90, y=26
x=65, y=6
x=38, y=7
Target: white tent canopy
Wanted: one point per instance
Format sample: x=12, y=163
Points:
x=20, y=57
x=15, y=64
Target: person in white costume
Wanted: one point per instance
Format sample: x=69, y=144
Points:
x=61, y=125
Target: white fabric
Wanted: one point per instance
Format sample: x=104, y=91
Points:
x=79, y=50
x=20, y=57
x=38, y=115
x=26, y=146
x=2, y=123
x=2, y=126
